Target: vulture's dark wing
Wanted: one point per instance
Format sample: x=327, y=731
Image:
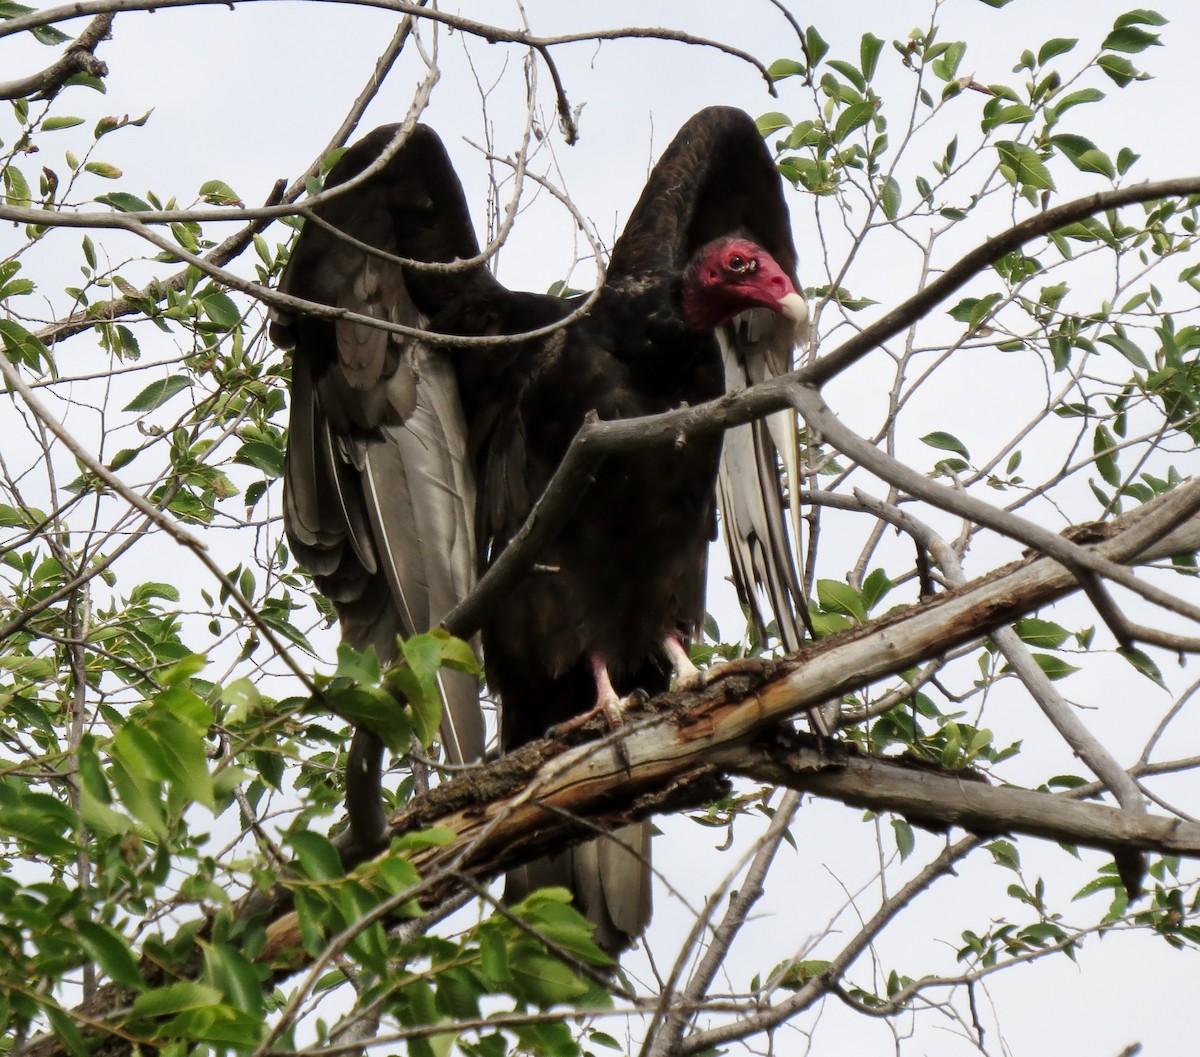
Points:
x=717, y=178
x=379, y=494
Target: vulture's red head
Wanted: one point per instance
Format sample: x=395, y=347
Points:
x=730, y=275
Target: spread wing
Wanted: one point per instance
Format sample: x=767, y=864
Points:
x=379, y=495
x=718, y=178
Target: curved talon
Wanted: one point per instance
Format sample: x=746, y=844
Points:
x=635, y=699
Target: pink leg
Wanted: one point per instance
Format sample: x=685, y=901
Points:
x=607, y=700
x=687, y=675
x=608, y=703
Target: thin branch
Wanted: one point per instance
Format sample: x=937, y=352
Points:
x=130, y=304
x=492, y=34
x=156, y=516
x=838, y=966
x=1185, y=502
x=663, y=1041
x=233, y=246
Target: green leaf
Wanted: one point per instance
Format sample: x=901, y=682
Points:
x=424, y=656
x=1140, y=15
x=21, y=346
x=869, y=49
x=1084, y=154
x=1120, y=69
x=220, y=308
x=424, y=701
x=1106, y=459
x=1004, y=853
x=853, y=117
x=815, y=46
x=317, y=856
x=103, y=169
x=905, y=839
x=66, y=1029
x=50, y=36
x=232, y=972
x=946, y=442
x=875, y=587
x=458, y=654
x=420, y=839
x=16, y=186
x=997, y=112
x=1054, y=667
x=1022, y=166
x=850, y=72
x=945, y=67
x=1143, y=663
x=219, y=193
x=52, y=124
x=111, y=952
x=358, y=666
x=1084, y=95
x=974, y=310
x=1041, y=633
x=1056, y=46
x=189, y=771
x=838, y=597
x=1127, y=349
x=379, y=712
x=544, y=978
x=772, y=122
x=890, y=198
x=1131, y=39
x=782, y=68
x=174, y=998
x=158, y=393
x=125, y=202
x=267, y=457
x=243, y=699
x=141, y=795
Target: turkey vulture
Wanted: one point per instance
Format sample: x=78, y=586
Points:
x=410, y=466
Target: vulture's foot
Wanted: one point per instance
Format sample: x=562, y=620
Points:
x=609, y=705
x=687, y=675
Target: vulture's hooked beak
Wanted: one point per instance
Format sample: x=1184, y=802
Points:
x=795, y=308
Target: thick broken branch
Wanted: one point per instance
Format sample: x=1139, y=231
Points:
x=527, y=802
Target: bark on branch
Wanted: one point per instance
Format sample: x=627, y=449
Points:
x=80, y=57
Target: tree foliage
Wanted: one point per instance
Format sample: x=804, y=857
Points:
x=176, y=714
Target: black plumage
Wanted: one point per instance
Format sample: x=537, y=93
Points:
x=699, y=297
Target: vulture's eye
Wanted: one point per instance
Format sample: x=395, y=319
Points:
x=737, y=263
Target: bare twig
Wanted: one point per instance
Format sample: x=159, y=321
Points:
x=666, y=1029
x=130, y=304
x=1185, y=500
x=492, y=34
x=153, y=513
x=815, y=988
